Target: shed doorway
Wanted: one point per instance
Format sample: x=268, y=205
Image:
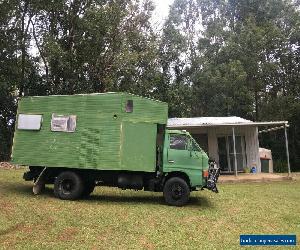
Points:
x=265, y=165
x=226, y=153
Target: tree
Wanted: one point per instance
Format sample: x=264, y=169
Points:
x=245, y=60
x=79, y=47
x=9, y=75
x=213, y=57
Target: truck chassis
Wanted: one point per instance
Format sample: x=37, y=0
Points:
x=73, y=184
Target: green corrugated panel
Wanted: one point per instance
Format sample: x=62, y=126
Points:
x=138, y=146
x=96, y=142
x=145, y=110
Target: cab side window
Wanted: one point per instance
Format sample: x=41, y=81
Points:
x=179, y=142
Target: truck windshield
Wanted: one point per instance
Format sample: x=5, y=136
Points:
x=195, y=146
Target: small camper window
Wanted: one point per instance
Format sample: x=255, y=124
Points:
x=63, y=123
x=129, y=106
x=29, y=122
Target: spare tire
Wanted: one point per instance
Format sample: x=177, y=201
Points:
x=68, y=186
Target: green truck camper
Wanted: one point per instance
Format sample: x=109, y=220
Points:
x=110, y=139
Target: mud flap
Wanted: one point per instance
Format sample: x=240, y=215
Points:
x=213, y=175
x=39, y=184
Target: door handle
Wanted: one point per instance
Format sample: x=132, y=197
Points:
x=171, y=161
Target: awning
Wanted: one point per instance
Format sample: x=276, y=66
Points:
x=217, y=121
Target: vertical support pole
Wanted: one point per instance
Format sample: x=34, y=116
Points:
x=287, y=150
x=234, y=152
x=257, y=158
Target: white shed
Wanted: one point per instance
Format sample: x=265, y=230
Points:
x=231, y=141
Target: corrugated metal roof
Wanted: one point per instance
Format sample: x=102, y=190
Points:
x=200, y=121
x=218, y=121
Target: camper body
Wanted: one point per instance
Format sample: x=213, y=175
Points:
x=112, y=139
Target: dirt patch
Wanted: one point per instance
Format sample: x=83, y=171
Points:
x=7, y=165
x=146, y=243
x=105, y=235
x=12, y=229
x=296, y=175
x=68, y=234
x=27, y=228
x=6, y=207
x=260, y=177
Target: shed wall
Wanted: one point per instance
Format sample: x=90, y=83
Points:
x=251, y=140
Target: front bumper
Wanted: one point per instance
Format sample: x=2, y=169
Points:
x=213, y=175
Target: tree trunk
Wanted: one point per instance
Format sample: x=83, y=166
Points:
x=41, y=52
x=23, y=45
x=256, y=105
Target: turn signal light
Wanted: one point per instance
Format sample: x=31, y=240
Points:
x=205, y=173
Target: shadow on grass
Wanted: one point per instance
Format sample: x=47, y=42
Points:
x=26, y=190
x=124, y=199
x=18, y=188
x=202, y=202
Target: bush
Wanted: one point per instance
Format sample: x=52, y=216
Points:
x=280, y=166
x=247, y=169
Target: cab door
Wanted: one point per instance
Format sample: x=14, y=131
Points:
x=196, y=154
x=181, y=153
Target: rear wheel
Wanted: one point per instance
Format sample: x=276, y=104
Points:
x=68, y=186
x=176, y=191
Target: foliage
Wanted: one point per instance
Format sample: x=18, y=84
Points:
x=9, y=76
x=211, y=58
x=280, y=166
x=245, y=61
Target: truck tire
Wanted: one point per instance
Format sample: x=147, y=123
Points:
x=176, y=192
x=68, y=186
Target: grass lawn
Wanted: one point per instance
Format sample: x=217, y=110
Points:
x=116, y=219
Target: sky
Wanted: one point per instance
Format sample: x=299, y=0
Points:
x=161, y=12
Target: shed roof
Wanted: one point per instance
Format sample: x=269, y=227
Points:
x=217, y=121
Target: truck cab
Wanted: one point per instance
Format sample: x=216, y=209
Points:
x=184, y=156
x=185, y=167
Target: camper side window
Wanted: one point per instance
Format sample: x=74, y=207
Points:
x=129, y=106
x=63, y=123
x=29, y=122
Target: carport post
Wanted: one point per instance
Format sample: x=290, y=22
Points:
x=234, y=152
x=287, y=150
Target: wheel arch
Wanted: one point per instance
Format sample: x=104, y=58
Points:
x=179, y=174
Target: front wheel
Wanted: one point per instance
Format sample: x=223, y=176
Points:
x=68, y=186
x=176, y=191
